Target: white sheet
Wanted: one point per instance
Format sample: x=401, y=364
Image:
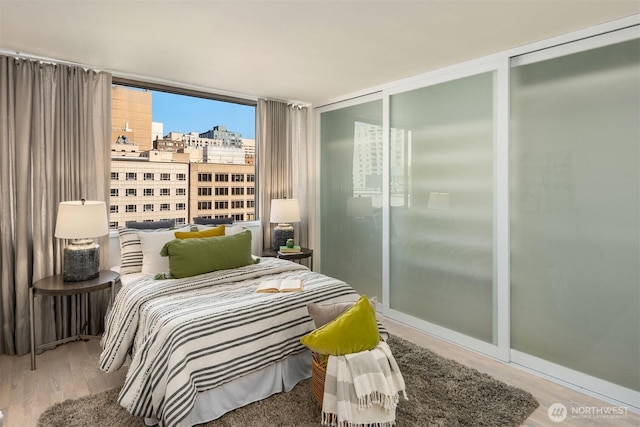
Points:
x=126, y=279
x=279, y=377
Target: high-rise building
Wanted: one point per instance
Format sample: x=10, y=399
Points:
x=143, y=190
x=131, y=116
x=222, y=191
x=223, y=137
x=225, y=155
x=157, y=178
x=249, y=147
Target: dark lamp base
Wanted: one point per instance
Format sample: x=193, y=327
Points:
x=81, y=263
x=281, y=233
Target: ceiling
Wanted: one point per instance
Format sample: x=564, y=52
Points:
x=297, y=50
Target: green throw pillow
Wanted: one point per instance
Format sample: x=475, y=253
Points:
x=353, y=331
x=325, y=313
x=189, y=257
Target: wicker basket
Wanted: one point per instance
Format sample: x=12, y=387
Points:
x=318, y=373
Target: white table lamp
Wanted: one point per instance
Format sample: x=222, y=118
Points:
x=283, y=213
x=80, y=221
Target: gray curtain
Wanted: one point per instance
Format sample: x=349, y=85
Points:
x=282, y=150
x=302, y=165
x=55, y=125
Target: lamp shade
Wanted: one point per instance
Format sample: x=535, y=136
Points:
x=285, y=210
x=81, y=219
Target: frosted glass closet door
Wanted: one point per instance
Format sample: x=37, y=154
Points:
x=441, y=214
x=575, y=212
x=351, y=196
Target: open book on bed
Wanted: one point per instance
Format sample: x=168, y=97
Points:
x=280, y=285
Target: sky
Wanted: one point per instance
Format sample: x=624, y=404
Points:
x=188, y=114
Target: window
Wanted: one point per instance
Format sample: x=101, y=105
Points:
x=251, y=203
x=113, y=224
x=204, y=177
x=251, y=191
x=212, y=151
x=114, y=192
x=114, y=208
x=148, y=207
x=251, y=177
x=237, y=191
x=237, y=204
x=165, y=206
x=237, y=177
x=205, y=205
x=222, y=191
x=221, y=204
x=204, y=191
x=238, y=217
x=181, y=221
x=130, y=208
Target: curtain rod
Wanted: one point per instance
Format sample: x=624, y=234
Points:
x=122, y=76
x=46, y=60
x=293, y=104
x=298, y=105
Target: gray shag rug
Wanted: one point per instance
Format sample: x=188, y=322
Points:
x=441, y=392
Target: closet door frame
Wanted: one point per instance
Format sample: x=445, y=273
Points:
x=500, y=69
x=586, y=383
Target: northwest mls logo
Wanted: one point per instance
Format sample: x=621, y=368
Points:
x=557, y=412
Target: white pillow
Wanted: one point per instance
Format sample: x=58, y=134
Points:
x=230, y=230
x=152, y=243
x=130, y=251
x=130, y=248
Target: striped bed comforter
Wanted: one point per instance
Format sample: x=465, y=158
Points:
x=190, y=335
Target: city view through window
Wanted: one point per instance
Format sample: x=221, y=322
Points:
x=177, y=157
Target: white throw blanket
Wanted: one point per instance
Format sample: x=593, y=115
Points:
x=362, y=389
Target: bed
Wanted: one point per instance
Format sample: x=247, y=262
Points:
x=203, y=345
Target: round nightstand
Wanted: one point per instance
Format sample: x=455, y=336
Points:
x=56, y=286
x=303, y=254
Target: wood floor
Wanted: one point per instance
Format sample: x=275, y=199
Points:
x=71, y=371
